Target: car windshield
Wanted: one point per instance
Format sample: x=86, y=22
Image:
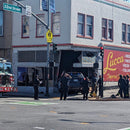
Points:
x=76, y=75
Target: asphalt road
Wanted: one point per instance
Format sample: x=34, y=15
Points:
x=52, y=114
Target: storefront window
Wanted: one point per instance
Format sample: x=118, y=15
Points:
x=1, y=23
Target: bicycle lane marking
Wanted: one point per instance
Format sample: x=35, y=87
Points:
x=29, y=103
x=128, y=128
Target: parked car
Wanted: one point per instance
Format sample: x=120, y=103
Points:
x=75, y=82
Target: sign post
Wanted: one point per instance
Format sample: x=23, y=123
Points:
x=12, y=8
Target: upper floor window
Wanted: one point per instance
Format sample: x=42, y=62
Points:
x=85, y=26
x=107, y=29
x=25, y=27
x=56, y=24
x=40, y=27
x=81, y=24
x=89, y=26
x=1, y=23
x=125, y=33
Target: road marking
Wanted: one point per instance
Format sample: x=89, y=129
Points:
x=39, y=128
x=53, y=111
x=125, y=128
x=32, y=103
x=84, y=123
x=103, y=115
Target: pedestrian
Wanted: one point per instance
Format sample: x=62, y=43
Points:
x=127, y=86
x=64, y=87
x=100, y=86
x=36, y=84
x=94, y=85
x=85, y=90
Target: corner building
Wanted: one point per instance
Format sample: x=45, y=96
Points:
x=79, y=29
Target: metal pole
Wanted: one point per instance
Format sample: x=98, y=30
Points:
x=102, y=75
x=48, y=56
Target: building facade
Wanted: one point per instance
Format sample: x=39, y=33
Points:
x=5, y=32
x=79, y=29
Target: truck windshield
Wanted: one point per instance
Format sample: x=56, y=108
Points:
x=5, y=67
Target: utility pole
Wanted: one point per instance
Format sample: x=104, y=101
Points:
x=48, y=54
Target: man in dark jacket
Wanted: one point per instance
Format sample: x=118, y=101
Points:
x=100, y=86
x=64, y=87
x=85, y=90
x=127, y=86
x=36, y=84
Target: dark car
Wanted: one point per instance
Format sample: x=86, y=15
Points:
x=75, y=82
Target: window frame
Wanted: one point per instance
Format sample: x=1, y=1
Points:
x=40, y=36
x=2, y=34
x=22, y=36
x=85, y=25
x=107, y=28
x=126, y=33
x=52, y=23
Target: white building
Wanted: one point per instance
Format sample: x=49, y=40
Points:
x=79, y=28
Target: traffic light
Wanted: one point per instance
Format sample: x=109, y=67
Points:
x=101, y=51
x=54, y=47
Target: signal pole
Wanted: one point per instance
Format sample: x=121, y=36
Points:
x=48, y=55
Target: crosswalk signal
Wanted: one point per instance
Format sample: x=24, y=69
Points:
x=54, y=47
x=101, y=51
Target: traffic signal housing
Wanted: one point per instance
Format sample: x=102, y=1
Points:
x=54, y=47
x=101, y=51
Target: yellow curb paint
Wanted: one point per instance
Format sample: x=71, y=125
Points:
x=103, y=115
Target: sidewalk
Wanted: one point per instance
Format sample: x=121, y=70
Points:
x=107, y=95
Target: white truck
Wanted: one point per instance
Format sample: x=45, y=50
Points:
x=6, y=77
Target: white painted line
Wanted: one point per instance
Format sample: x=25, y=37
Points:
x=39, y=128
x=125, y=128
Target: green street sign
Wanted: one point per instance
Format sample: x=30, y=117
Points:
x=12, y=8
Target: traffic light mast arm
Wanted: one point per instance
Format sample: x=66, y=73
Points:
x=34, y=15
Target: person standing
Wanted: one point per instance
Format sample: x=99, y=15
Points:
x=36, y=84
x=64, y=87
x=94, y=84
x=85, y=90
x=100, y=86
x=120, y=86
x=127, y=86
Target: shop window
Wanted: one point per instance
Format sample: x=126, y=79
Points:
x=107, y=29
x=56, y=24
x=25, y=27
x=1, y=23
x=40, y=29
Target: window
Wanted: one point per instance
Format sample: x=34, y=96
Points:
x=89, y=26
x=85, y=26
x=80, y=24
x=56, y=24
x=107, y=29
x=25, y=27
x=128, y=34
x=1, y=23
x=40, y=27
x=125, y=33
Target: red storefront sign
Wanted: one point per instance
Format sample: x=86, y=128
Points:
x=115, y=63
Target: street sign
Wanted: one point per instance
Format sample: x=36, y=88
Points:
x=49, y=36
x=28, y=11
x=12, y=8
